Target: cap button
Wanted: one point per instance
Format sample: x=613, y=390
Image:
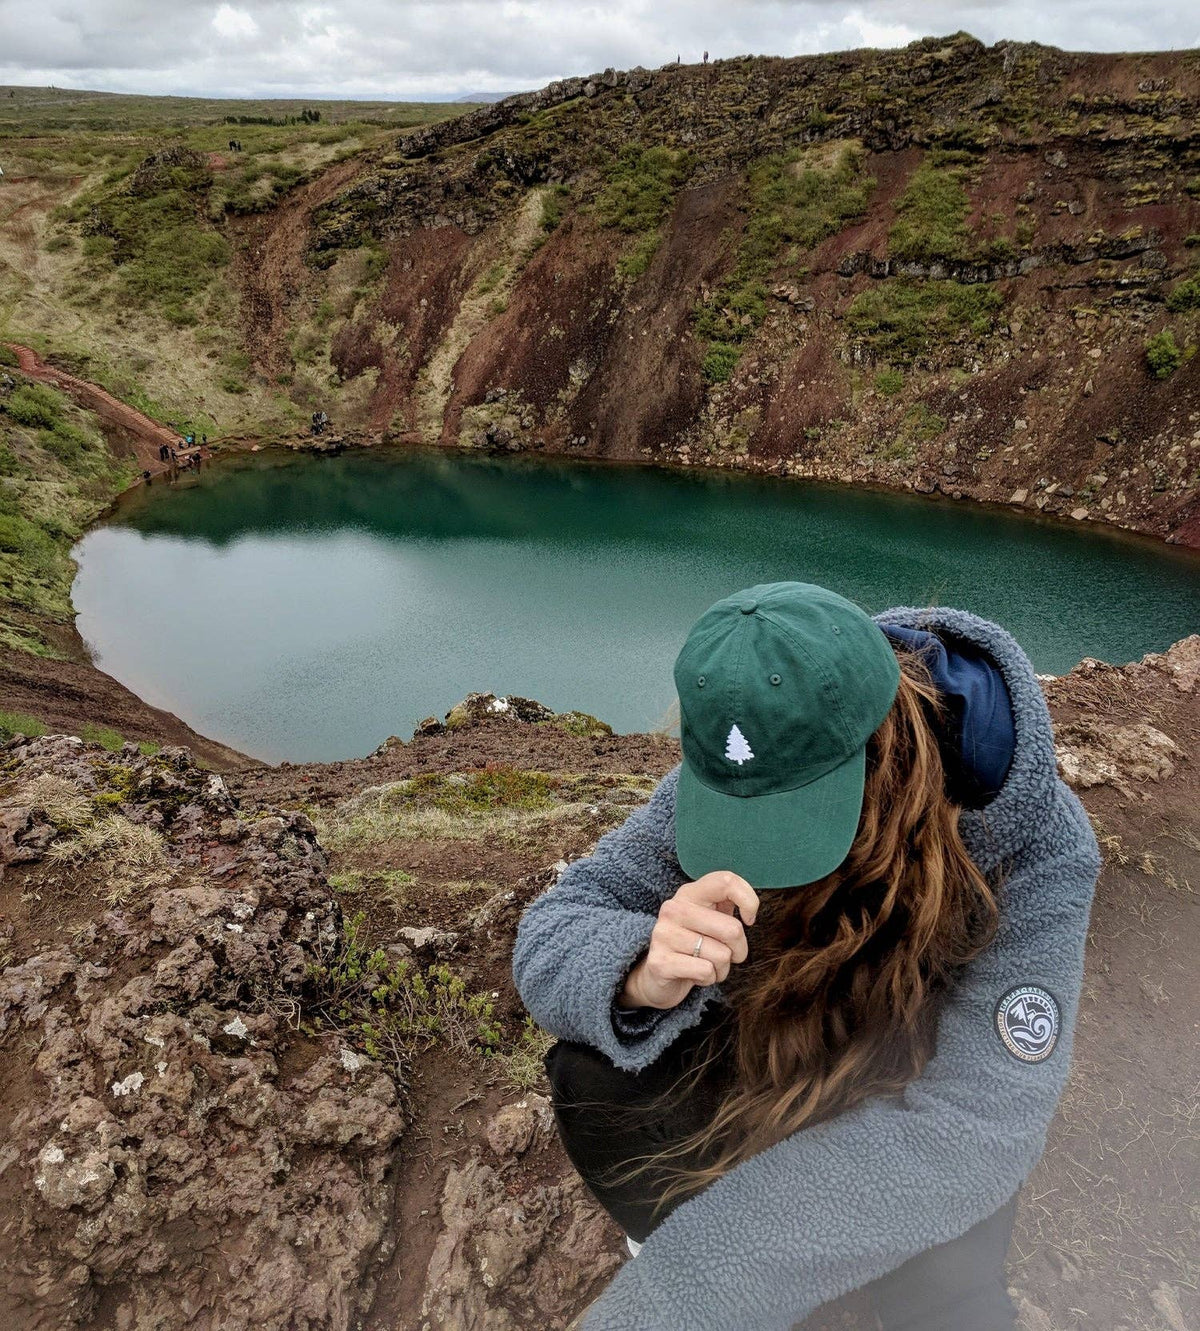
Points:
x=749, y=607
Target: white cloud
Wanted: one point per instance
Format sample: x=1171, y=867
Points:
x=234, y=23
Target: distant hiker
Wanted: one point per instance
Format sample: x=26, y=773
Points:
x=189, y=439
x=706, y=57
x=163, y=452
x=145, y=473
x=204, y=441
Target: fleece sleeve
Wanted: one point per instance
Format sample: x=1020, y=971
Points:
x=577, y=942
x=834, y=1206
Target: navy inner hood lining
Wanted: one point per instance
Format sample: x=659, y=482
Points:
x=978, y=739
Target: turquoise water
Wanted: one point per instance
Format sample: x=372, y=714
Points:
x=306, y=608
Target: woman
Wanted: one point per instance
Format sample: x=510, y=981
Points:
x=815, y=998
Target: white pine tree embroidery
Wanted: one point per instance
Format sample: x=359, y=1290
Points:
x=737, y=748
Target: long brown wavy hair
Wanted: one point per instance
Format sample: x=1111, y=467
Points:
x=838, y=998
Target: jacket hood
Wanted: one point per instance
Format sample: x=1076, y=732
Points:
x=1012, y=758
x=976, y=737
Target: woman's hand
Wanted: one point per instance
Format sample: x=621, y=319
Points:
x=671, y=967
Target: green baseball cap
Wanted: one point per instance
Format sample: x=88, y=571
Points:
x=780, y=686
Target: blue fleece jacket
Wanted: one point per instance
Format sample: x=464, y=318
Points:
x=834, y=1206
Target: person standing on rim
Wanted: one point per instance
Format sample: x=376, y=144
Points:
x=815, y=999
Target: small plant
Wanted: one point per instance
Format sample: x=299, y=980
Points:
x=889, y=382
x=393, y=1011
x=524, y=1068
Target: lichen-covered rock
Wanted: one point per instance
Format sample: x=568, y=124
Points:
x=1091, y=753
x=510, y=1256
x=177, y=1155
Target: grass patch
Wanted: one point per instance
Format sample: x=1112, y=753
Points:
x=899, y=319
x=922, y=424
x=554, y=205
x=931, y=214
x=108, y=738
x=639, y=188
x=128, y=856
x=151, y=230
x=640, y=185
x=889, y=382
x=391, y=885
x=19, y=723
x=56, y=475
x=796, y=200
x=500, y=802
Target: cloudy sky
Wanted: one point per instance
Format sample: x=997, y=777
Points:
x=431, y=49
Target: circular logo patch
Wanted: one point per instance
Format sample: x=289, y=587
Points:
x=1027, y=1019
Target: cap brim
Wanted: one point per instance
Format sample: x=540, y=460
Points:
x=784, y=839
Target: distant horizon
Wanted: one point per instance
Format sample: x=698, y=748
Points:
x=306, y=96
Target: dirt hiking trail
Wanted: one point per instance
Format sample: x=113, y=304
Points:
x=145, y=434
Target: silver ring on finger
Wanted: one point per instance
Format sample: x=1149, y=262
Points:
x=699, y=945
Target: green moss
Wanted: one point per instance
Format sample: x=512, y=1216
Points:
x=580, y=724
x=497, y=786
x=900, y=319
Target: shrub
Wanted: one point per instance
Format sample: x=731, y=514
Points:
x=1164, y=355
x=35, y=405
x=889, y=382
x=719, y=362
x=1186, y=296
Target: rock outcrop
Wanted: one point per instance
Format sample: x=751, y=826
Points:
x=175, y=1154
